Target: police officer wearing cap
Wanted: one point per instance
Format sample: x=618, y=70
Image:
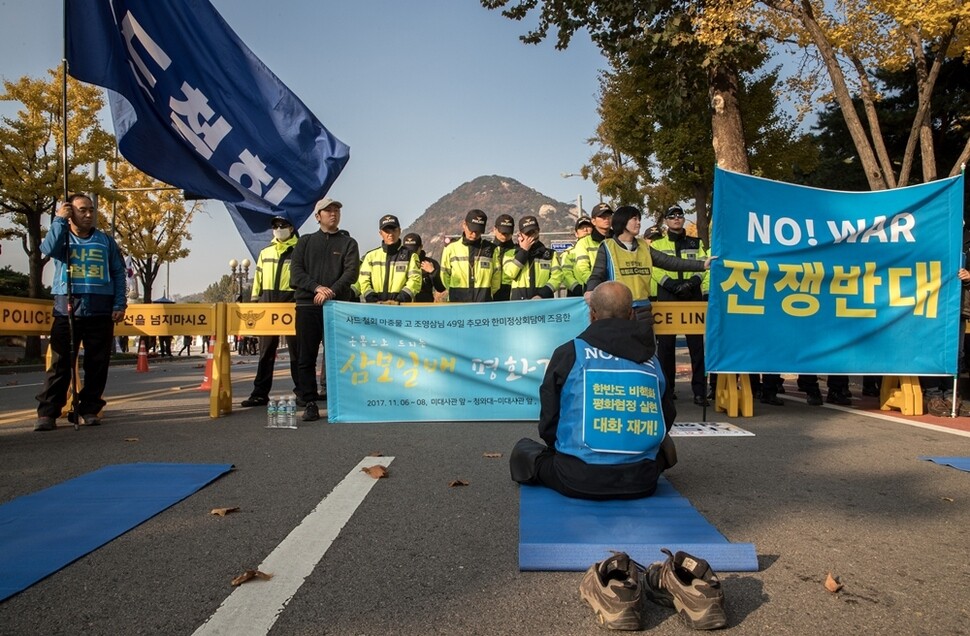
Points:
x=271, y=284
x=679, y=287
x=430, y=269
x=583, y=228
x=470, y=267
x=585, y=249
x=389, y=272
x=535, y=270
x=502, y=235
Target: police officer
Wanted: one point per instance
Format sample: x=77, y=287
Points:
x=583, y=228
x=534, y=270
x=585, y=249
x=430, y=269
x=470, y=267
x=389, y=272
x=271, y=284
x=679, y=287
x=502, y=235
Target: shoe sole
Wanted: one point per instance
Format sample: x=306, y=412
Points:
x=627, y=620
x=709, y=616
x=712, y=618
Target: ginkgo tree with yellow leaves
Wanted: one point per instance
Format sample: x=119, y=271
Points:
x=844, y=44
x=31, y=171
x=150, y=220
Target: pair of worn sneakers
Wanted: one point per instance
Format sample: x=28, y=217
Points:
x=616, y=588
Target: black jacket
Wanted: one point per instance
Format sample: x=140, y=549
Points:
x=430, y=283
x=322, y=258
x=629, y=339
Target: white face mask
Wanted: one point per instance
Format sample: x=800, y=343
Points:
x=283, y=233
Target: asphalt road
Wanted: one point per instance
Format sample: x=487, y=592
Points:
x=817, y=490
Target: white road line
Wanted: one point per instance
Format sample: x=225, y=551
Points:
x=253, y=607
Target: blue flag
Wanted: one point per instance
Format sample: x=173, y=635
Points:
x=193, y=107
x=817, y=281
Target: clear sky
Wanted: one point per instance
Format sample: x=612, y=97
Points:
x=428, y=94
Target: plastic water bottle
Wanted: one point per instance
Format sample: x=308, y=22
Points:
x=272, y=408
x=291, y=412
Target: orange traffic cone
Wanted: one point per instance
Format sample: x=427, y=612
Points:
x=207, y=375
x=142, y=358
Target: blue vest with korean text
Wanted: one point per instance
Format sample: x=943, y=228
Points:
x=610, y=410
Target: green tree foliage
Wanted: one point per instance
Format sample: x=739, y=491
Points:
x=656, y=147
x=31, y=174
x=13, y=283
x=225, y=290
x=150, y=221
x=661, y=31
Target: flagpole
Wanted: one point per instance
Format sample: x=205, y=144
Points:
x=64, y=102
x=962, y=335
x=72, y=414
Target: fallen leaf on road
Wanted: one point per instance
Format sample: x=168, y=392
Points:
x=377, y=472
x=947, y=499
x=131, y=439
x=222, y=512
x=454, y=483
x=832, y=583
x=249, y=575
x=492, y=455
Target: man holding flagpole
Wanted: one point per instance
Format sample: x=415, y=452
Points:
x=89, y=298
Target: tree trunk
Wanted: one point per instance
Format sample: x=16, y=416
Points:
x=702, y=194
x=925, y=83
x=804, y=13
x=875, y=130
x=730, y=151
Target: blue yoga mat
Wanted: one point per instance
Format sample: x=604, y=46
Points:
x=565, y=534
x=961, y=463
x=42, y=532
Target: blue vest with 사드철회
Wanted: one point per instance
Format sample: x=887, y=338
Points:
x=610, y=411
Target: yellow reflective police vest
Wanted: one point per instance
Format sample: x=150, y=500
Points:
x=386, y=275
x=271, y=282
x=688, y=247
x=539, y=275
x=584, y=253
x=471, y=273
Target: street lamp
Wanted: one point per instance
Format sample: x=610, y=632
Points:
x=579, y=197
x=240, y=274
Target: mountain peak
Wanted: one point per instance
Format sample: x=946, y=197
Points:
x=495, y=195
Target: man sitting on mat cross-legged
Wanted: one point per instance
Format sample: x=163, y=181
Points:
x=603, y=415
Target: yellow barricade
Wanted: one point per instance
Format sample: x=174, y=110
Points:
x=30, y=317
x=25, y=316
